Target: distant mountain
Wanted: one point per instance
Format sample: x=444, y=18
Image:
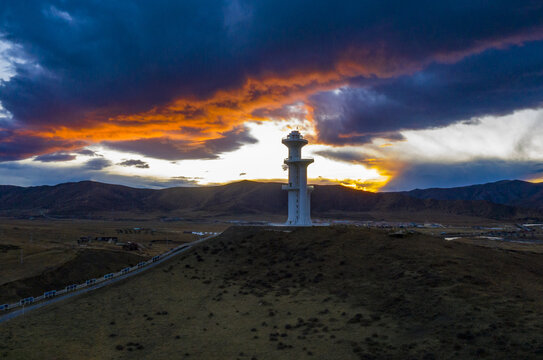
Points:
x=507, y=192
x=89, y=198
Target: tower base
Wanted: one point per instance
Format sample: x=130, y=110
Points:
x=300, y=224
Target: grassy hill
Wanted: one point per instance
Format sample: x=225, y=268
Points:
x=242, y=198
x=313, y=293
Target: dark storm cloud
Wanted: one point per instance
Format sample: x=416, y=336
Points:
x=135, y=163
x=496, y=82
x=230, y=141
x=97, y=164
x=14, y=146
x=87, y=152
x=54, y=157
x=426, y=175
x=162, y=148
x=88, y=61
x=30, y=175
x=170, y=149
x=112, y=57
x=343, y=155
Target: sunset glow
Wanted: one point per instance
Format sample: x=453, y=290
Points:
x=384, y=103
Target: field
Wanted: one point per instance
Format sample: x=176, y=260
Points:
x=313, y=293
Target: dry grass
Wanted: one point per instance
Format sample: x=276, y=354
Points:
x=319, y=293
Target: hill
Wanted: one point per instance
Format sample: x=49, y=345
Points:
x=507, y=192
x=89, y=198
x=86, y=264
x=313, y=293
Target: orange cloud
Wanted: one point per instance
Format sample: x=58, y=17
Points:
x=198, y=120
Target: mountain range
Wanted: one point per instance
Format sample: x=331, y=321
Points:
x=500, y=200
x=507, y=192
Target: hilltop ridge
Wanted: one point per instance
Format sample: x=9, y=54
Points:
x=89, y=198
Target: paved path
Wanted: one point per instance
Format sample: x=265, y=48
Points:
x=26, y=309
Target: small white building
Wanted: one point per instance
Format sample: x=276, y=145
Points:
x=299, y=193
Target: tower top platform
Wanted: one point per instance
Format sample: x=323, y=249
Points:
x=295, y=134
x=294, y=137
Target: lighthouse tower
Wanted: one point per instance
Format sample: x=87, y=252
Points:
x=298, y=191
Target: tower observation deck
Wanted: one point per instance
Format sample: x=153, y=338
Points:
x=298, y=192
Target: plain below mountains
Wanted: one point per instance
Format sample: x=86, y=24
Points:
x=313, y=293
x=505, y=200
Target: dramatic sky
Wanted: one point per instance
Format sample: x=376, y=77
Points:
x=392, y=95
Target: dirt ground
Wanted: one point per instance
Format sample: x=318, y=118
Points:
x=313, y=293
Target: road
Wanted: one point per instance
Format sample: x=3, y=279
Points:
x=26, y=309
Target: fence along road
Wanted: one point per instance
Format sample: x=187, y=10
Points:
x=121, y=275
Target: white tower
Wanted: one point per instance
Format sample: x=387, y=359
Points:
x=298, y=191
